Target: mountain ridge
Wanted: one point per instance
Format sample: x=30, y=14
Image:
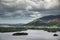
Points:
x=46, y=20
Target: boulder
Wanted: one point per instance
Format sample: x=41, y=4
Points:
x=20, y=34
x=55, y=35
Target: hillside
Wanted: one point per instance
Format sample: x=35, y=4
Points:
x=46, y=20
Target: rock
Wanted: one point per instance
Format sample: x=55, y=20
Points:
x=20, y=34
x=51, y=31
x=55, y=35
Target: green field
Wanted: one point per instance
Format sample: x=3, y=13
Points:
x=21, y=28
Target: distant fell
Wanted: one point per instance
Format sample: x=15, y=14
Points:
x=46, y=20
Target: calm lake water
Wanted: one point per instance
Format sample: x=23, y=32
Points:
x=32, y=35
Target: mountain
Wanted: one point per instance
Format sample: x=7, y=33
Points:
x=12, y=24
x=46, y=20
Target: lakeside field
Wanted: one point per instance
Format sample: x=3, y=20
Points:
x=23, y=28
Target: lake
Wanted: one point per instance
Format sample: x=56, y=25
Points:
x=32, y=35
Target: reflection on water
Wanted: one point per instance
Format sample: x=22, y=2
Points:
x=33, y=35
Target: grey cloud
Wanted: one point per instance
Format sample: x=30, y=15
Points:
x=36, y=5
x=21, y=5
x=17, y=8
x=12, y=5
x=8, y=8
x=16, y=15
x=46, y=5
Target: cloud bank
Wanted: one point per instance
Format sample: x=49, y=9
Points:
x=28, y=9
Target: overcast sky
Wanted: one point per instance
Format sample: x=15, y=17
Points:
x=24, y=11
